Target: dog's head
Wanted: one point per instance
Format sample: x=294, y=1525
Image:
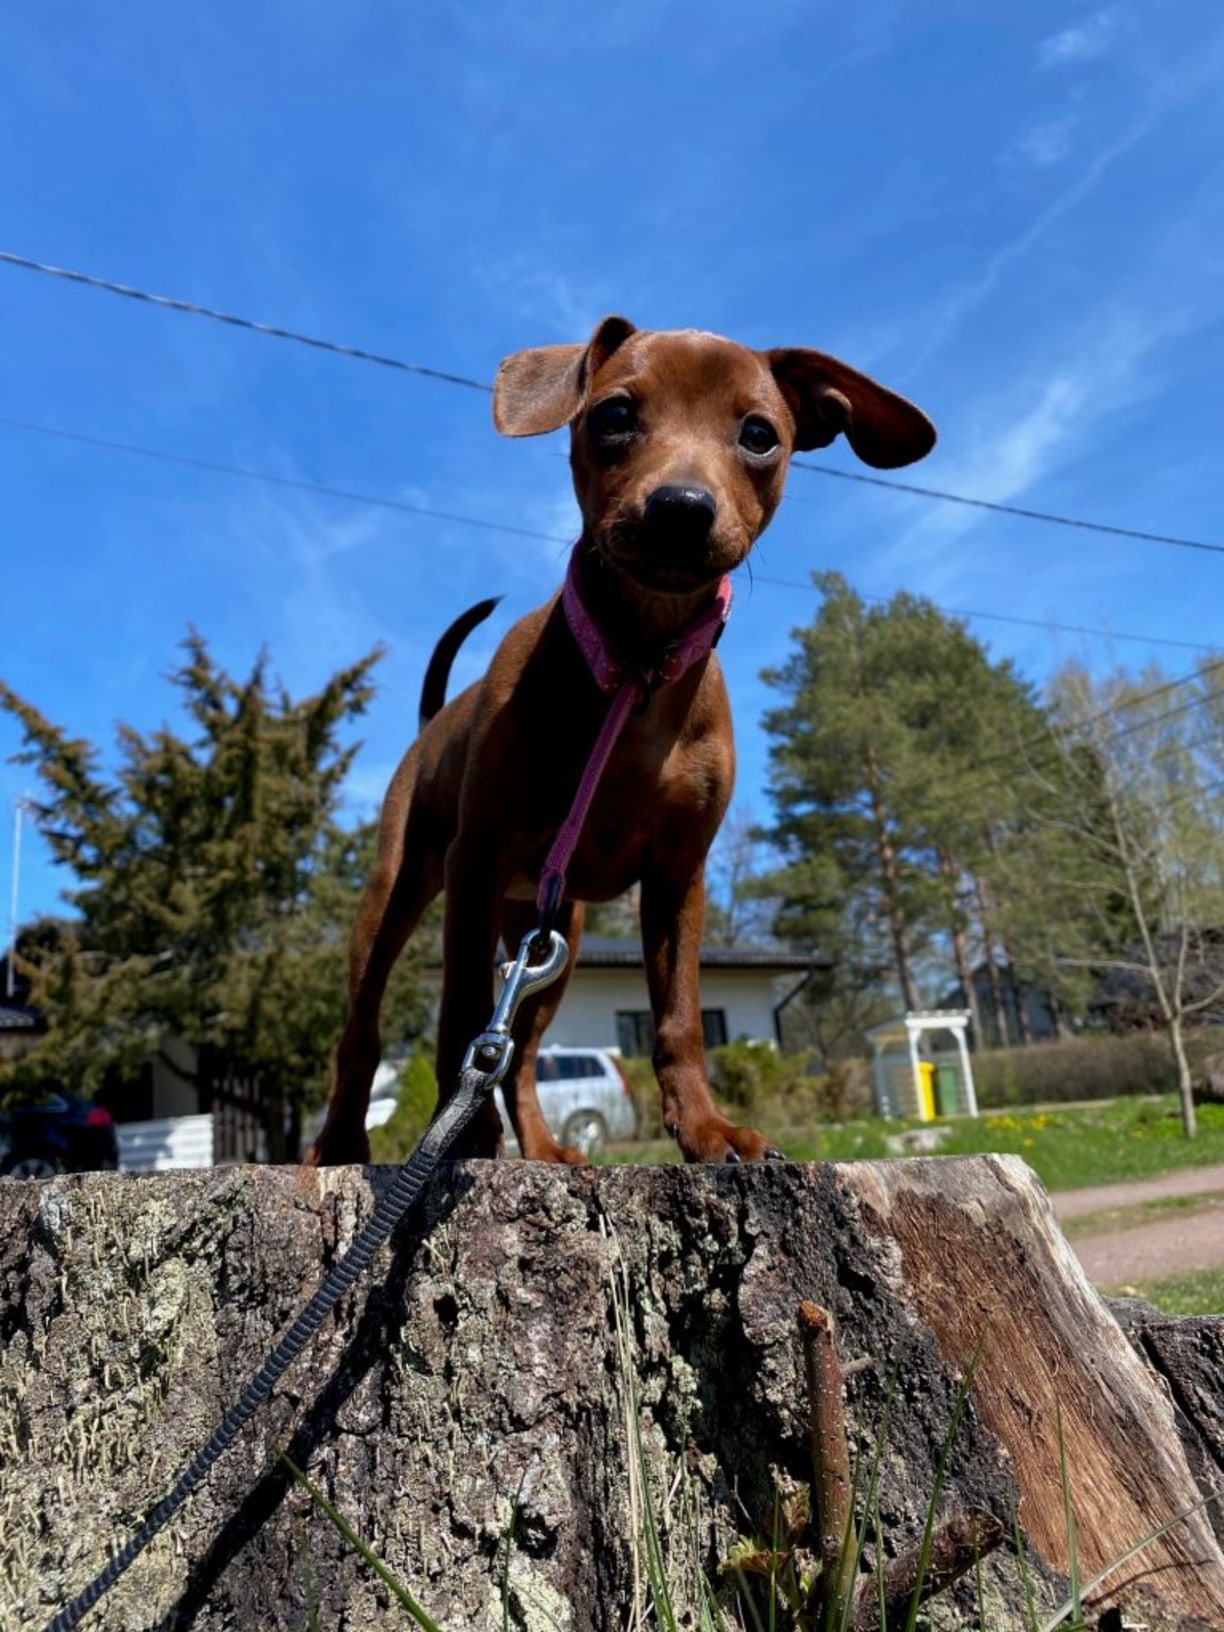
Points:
x=680, y=440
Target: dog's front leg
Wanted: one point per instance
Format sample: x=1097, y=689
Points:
x=673, y=920
x=475, y=886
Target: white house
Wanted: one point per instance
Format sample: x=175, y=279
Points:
x=742, y=991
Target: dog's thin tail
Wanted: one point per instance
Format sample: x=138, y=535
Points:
x=433, y=687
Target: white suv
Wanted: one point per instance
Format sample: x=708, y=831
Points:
x=583, y=1093
x=584, y=1096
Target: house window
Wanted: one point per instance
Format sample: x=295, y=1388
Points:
x=635, y=1031
x=713, y=1027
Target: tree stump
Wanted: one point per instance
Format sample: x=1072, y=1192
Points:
x=470, y=1407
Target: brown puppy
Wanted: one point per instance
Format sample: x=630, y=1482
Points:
x=680, y=443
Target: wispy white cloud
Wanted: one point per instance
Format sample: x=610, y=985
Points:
x=1086, y=41
x=1198, y=72
x=1044, y=145
x=1047, y=421
x=302, y=551
x=563, y=307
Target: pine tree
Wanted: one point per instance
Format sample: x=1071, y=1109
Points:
x=841, y=772
x=892, y=779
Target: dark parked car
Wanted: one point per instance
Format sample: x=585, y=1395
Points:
x=56, y=1134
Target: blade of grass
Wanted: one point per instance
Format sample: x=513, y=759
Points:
x=393, y=1585
x=1071, y=1606
x=515, y=1504
x=1068, y=1517
x=744, y=1587
x=881, y=1599
x=1026, y=1575
x=872, y=1498
x=773, y=1574
x=656, y=1568
x=958, y=1410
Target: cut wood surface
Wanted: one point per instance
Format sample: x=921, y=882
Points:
x=466, y=1407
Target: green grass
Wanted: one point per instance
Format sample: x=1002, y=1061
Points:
x=1200, y=1293
x=1098, y=1144
x=1068, y=1146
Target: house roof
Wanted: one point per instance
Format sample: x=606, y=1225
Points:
x=20, y=1017
x=616, y=952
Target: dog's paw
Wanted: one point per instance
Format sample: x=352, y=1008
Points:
x=715, y=1139
x=548, y=1150
x=329, y=1150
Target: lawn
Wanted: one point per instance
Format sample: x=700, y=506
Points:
x=1068, y=1146
x=1199, y=1294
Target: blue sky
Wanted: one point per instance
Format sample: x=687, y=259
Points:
x=1013, y=213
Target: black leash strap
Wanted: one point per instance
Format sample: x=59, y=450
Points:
x=395, y=1202
x=474, y=1087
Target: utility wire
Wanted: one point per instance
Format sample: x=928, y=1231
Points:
x=273, y=330
x=217, y=467
x=1049, y=518
x=1046, y=516
x=1076, y=727
x=1066, y=730
x=1001, y=617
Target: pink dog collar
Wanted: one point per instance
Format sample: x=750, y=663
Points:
x=627, y=687
x=696, y=642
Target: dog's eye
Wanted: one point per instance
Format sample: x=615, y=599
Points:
x=613, y=417
x=757, y=435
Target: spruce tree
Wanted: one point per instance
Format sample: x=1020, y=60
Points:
x=211, y=885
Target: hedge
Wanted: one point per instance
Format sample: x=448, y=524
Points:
x=1100, y=1067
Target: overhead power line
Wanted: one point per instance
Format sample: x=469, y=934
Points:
x=1046, y=516
x=216, y=467
x=447, y=377
x=1004, y=617
x=274, y=331
x=1115, y=711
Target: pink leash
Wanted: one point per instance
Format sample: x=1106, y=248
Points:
x=628, y=688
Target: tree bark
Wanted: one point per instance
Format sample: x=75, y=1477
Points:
x=890, y=881
x=960, y=957
x=992, y=969
x=1062, y=1030
x=473, y=1406
x=1185, y=1079
x=1023, y=1025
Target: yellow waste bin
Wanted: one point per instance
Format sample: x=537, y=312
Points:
x=926, y=1090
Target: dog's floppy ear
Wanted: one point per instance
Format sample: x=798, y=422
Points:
x=828, y=397
x=542, y=389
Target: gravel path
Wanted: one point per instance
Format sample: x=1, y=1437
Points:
x=1149, y=1249
x=1186, y=1181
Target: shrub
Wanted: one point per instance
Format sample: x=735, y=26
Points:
x=744, y=1073
x=645, y=1091
x=788, y=1088
x=1101, y=1067
x=414, y=1105
x=845, y=1091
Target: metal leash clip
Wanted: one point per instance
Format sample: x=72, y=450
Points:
x=492, y=1051
x=485, y=1064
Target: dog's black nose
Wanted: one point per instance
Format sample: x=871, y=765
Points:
x=683, y=511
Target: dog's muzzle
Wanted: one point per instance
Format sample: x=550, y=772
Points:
x=680, y=514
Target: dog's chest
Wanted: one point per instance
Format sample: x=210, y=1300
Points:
x=647, y=807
